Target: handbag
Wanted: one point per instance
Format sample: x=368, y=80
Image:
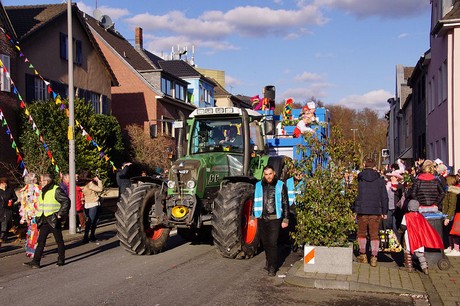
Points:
x=455, y=225
x=401, y=201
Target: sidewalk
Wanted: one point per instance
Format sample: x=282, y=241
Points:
x=442, y=287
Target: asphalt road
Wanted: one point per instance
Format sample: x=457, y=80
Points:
x=184, y=274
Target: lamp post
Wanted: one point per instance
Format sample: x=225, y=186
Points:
x=354, y=135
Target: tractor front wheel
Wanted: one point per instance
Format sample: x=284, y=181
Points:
x=134, y=211
x=234, y=229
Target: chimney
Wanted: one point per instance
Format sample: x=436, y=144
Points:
x=139, y=38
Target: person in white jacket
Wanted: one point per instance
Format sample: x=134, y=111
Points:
x=92, y=191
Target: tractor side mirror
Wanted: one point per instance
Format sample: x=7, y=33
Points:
x=269, y=125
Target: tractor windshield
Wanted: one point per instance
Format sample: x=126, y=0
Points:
x=211, y=135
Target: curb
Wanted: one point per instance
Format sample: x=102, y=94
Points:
x=311, y=280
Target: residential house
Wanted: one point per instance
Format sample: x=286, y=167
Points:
x=435, y=95
x=417, y=82
x=8, y=102
x=400, y=118
x=42, y=35
x=201, y=89
x=147, y=95
x=443, y=79
x=224, y=98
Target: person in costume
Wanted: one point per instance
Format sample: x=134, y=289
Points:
x=294, y=186
x=28, y=198
x=307, y=117
x=418, y=235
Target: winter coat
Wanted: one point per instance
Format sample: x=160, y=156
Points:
x=6, y=212
x=122, y=178
x=428, y=190
x=372, y=196
x=63, y=212
x=92, y=192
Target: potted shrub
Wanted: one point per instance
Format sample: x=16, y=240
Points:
x=325, y=220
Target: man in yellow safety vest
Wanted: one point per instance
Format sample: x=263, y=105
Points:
x=54, y=205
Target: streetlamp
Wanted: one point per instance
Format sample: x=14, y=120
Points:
x=354, y=135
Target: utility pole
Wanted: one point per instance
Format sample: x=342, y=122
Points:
x=71, y=128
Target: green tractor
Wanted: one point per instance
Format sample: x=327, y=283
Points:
x=213, y=185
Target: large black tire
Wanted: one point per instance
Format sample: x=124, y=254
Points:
x=133, y=227
x=235, y=233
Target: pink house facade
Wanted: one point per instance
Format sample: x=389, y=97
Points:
x=443, y=84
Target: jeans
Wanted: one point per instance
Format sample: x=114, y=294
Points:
x=93, y=216
x=44, y=231
x=269, y=232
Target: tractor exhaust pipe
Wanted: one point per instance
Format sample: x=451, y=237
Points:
x=246, y=133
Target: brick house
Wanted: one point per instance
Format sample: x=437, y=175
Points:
x=42, y=35
x=147, y=95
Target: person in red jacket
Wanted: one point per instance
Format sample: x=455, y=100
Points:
x=418, y=235
x=79, y=200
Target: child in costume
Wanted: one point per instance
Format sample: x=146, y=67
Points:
x=418, y=235
x=28, y=197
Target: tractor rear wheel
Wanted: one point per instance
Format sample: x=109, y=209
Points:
x=133, y=221
x=234, y=231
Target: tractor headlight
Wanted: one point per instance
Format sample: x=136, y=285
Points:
x=171, y=184
x=190, y=184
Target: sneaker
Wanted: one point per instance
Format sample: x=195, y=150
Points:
x=373, y=261
x=362, y=258
x=425, y=270
x=448, y=250
x=60, y=263
x=453, y=253
x=32, y=264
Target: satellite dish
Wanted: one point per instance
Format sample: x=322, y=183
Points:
x=106, y=22
x=97, y=14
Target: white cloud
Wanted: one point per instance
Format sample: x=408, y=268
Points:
x=303, y=94
x=403, y=35
x=113, y=13
x=244, y=21
x=388, y=9
x=375, y=100
x=309, y=77
x=231, y=82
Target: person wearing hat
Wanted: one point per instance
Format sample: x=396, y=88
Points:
x=92, y=190
x=418, y=235
x=395, y=192
x=303, y=126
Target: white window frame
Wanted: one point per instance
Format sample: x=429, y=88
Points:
x=40, y=90
x=5, y=78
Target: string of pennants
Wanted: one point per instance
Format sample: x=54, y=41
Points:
x=20, y=160
x=58, y=101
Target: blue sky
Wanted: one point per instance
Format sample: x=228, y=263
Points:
x=339, y=51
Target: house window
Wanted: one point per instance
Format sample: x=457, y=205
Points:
x=41, y=92
x=166, y=85
x=77, y=49
x=167, y=126
x=95, y=100
x=444, y=81
x=179, y=92
x=4, y=73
